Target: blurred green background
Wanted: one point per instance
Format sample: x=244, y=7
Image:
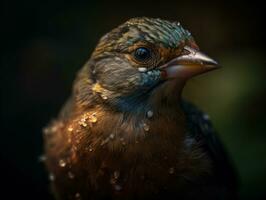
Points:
x=46, y=42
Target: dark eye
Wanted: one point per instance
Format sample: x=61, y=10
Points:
x=142, y=54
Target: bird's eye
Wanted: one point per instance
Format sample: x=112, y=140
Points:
x=142, y=54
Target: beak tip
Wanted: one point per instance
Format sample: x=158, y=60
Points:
x=212, y=66
x=208, y=61
x=199, y=57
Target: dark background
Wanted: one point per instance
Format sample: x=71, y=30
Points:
x=46, y=42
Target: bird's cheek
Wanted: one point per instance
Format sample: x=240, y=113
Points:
x=150, y=78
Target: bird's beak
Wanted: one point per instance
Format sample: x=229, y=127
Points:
x=188, y=65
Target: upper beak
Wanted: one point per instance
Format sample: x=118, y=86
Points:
x=192, y=63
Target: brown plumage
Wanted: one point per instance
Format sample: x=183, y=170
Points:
x=125, y=132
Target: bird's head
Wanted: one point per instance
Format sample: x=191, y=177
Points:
x=144, y=58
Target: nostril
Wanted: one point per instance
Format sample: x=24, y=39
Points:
x=184, y=52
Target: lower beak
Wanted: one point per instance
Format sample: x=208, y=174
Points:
x=188, y=65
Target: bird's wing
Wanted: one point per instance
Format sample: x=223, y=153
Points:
x=200, y=128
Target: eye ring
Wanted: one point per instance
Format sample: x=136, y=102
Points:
x=142, y=54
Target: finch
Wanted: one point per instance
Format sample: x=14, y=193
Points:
x=126, y=133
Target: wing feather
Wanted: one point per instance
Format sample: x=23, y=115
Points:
x=200, y=128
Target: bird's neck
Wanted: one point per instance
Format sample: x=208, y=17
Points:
x=165, y=96
x=157, y=113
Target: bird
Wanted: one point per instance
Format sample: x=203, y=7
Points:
x=126, y=132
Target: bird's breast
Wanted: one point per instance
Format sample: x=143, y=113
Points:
x=124, y=155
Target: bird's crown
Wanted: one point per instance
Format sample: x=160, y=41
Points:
x=142, y=29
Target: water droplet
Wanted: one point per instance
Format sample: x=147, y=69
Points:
x=46, y=131
x=189, y=141
x=62, y=163
x=93, y=118
x=142, y=69
x=118, y=187
x=51, y=177
x=104, y=97
x=116, y=174
x=83, y=119
x=146, y=127
x=77, y=195
x=70, y=129
x=178, y=23
x=122, y=141
x=42, y=158
x=90, y=149
x=149, y=114
x=206, y=117
x=171, y=170
x=112, y=136
x=82, y=123
x=70, y=175
x=114, y=177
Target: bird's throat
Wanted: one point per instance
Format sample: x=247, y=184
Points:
x=169, y=93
